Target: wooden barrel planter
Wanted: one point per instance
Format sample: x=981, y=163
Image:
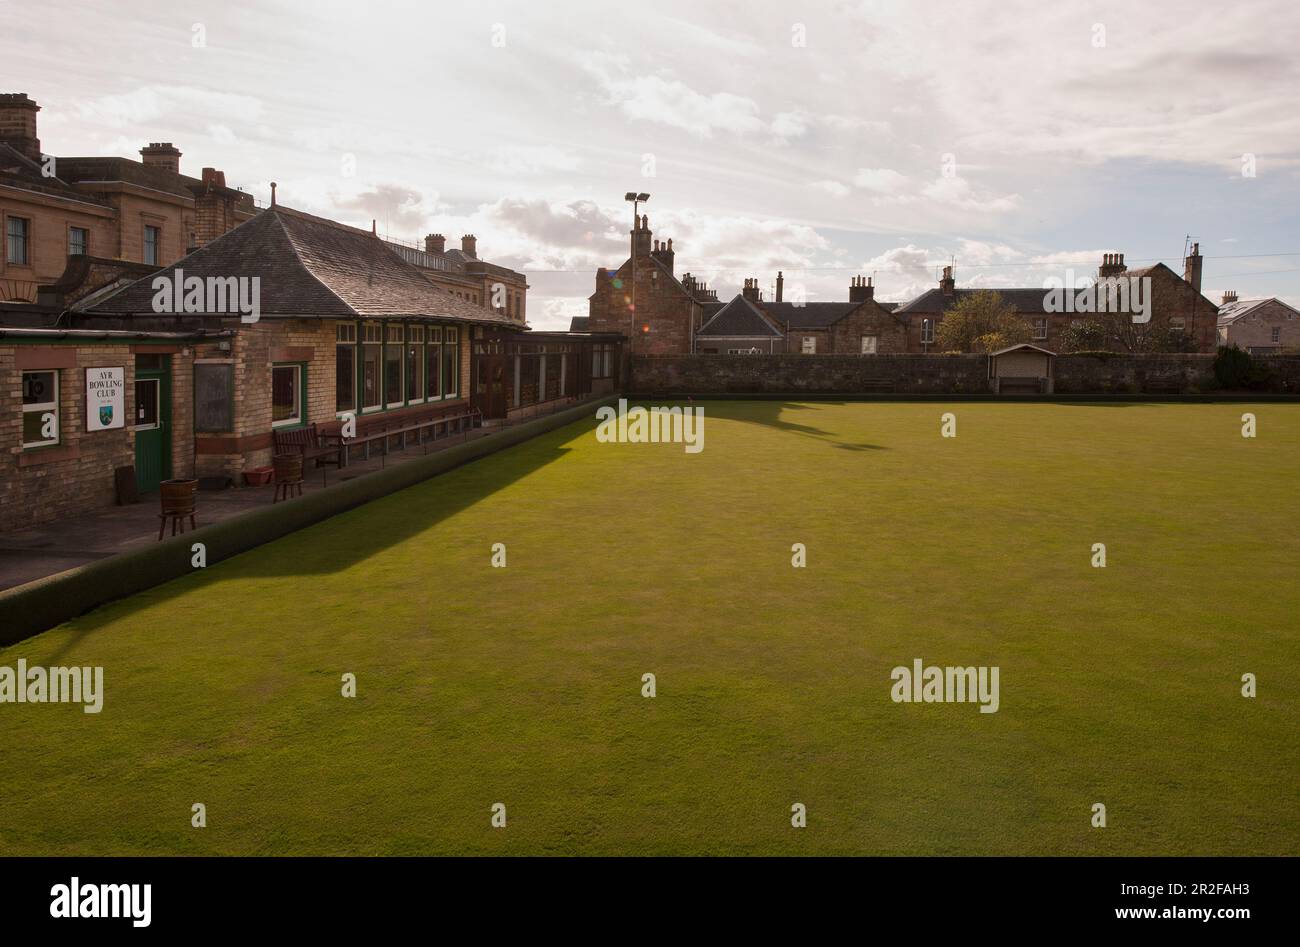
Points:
x=177, y=498
x=288, y=475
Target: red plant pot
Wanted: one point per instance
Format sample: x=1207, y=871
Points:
x=258, y=476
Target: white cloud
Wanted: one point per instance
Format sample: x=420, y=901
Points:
x=880, y=180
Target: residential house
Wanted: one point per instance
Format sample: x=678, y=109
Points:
x=1259, y=326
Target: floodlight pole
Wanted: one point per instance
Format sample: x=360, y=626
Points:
x=635, y=198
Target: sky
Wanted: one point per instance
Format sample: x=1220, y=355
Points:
x=1016, y=141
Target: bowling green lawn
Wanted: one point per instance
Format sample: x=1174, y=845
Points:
x=523, y=685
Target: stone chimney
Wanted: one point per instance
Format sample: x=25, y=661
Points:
x=1112, y=264
x=1229, y=297
x=18, y=124
x=1192, y=267
x=861, y=290
x=751, y=291
x=780, y=285
x=947, y=283
x=663, y=252
x=435, y=243
x=641, y=236
x=469, y=246
x=212, y=178
x=162, y=154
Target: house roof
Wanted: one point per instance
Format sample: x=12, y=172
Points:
x=1235, y=310
x=309, y=266
x=579, y=323
x=809, y=315
x=739, y=319
x=18, y=170
x=1022, y=345
x=1022, y=299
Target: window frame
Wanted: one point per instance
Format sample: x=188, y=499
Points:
x=157, y=244
x=1039, y=329
x=300, y=395
x=875, y=344
x=24, y=240
x=345, y=336
x=808, y=345
x=85, y=251
x=398, y=330
x=43, y=407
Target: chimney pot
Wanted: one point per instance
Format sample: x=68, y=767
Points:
x=435, y=243
x=469, y=246
x=161, y=154
x=18, y=124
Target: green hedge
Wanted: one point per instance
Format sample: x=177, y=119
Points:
x=29, y=609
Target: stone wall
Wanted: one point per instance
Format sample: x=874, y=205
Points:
x=758, y=374
x=934, y=374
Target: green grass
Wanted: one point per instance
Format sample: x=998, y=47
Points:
x=522, y=685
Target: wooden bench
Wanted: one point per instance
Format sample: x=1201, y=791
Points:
x=382, y=429
x=306, y=441
x=1020, y=385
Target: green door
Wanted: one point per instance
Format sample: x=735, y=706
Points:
x=152, y=423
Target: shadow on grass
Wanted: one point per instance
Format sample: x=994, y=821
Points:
x=769, y=414
x=370, y=528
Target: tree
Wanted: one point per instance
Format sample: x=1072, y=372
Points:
x=1088, y=335
x=980, y=322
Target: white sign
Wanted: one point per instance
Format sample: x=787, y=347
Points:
x=105, y=398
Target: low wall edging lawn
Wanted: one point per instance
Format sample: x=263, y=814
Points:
x=36, y=606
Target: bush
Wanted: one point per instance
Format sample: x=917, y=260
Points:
x=1233, y=367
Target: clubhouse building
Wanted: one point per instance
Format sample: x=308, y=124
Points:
x=287, y=324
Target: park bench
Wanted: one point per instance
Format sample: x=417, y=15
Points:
x=1023, y=385
x=306, y=441
x=382, y=429
x=877, y=385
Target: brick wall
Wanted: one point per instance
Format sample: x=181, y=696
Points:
x=662, y=305
x=75, y=476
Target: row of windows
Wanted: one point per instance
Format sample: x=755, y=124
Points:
x=18, y=242
x=394, y=365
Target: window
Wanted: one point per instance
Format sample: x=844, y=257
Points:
x=345, y=367
x=40, y=408
x=1177, y=322
x=78, y=241
x=750, y=351
x=1040, y=328
x=809, y=345
x=147, y=393
x=153, y=245
x=451, y=362
x=868, y=345
x=372, y=353
x=393, y=367
x=602, y=361
x=17, y=233
x=433, y=364
x=1277, y=333
x=927, y=331
x=415, y=363
x=286, y=395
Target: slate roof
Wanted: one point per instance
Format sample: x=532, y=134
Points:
x=18, y=170
x=1233, y=311
x=739, y=319
x=310, y=266
x=935, y=301
x=809, y=315
x=579, y=323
